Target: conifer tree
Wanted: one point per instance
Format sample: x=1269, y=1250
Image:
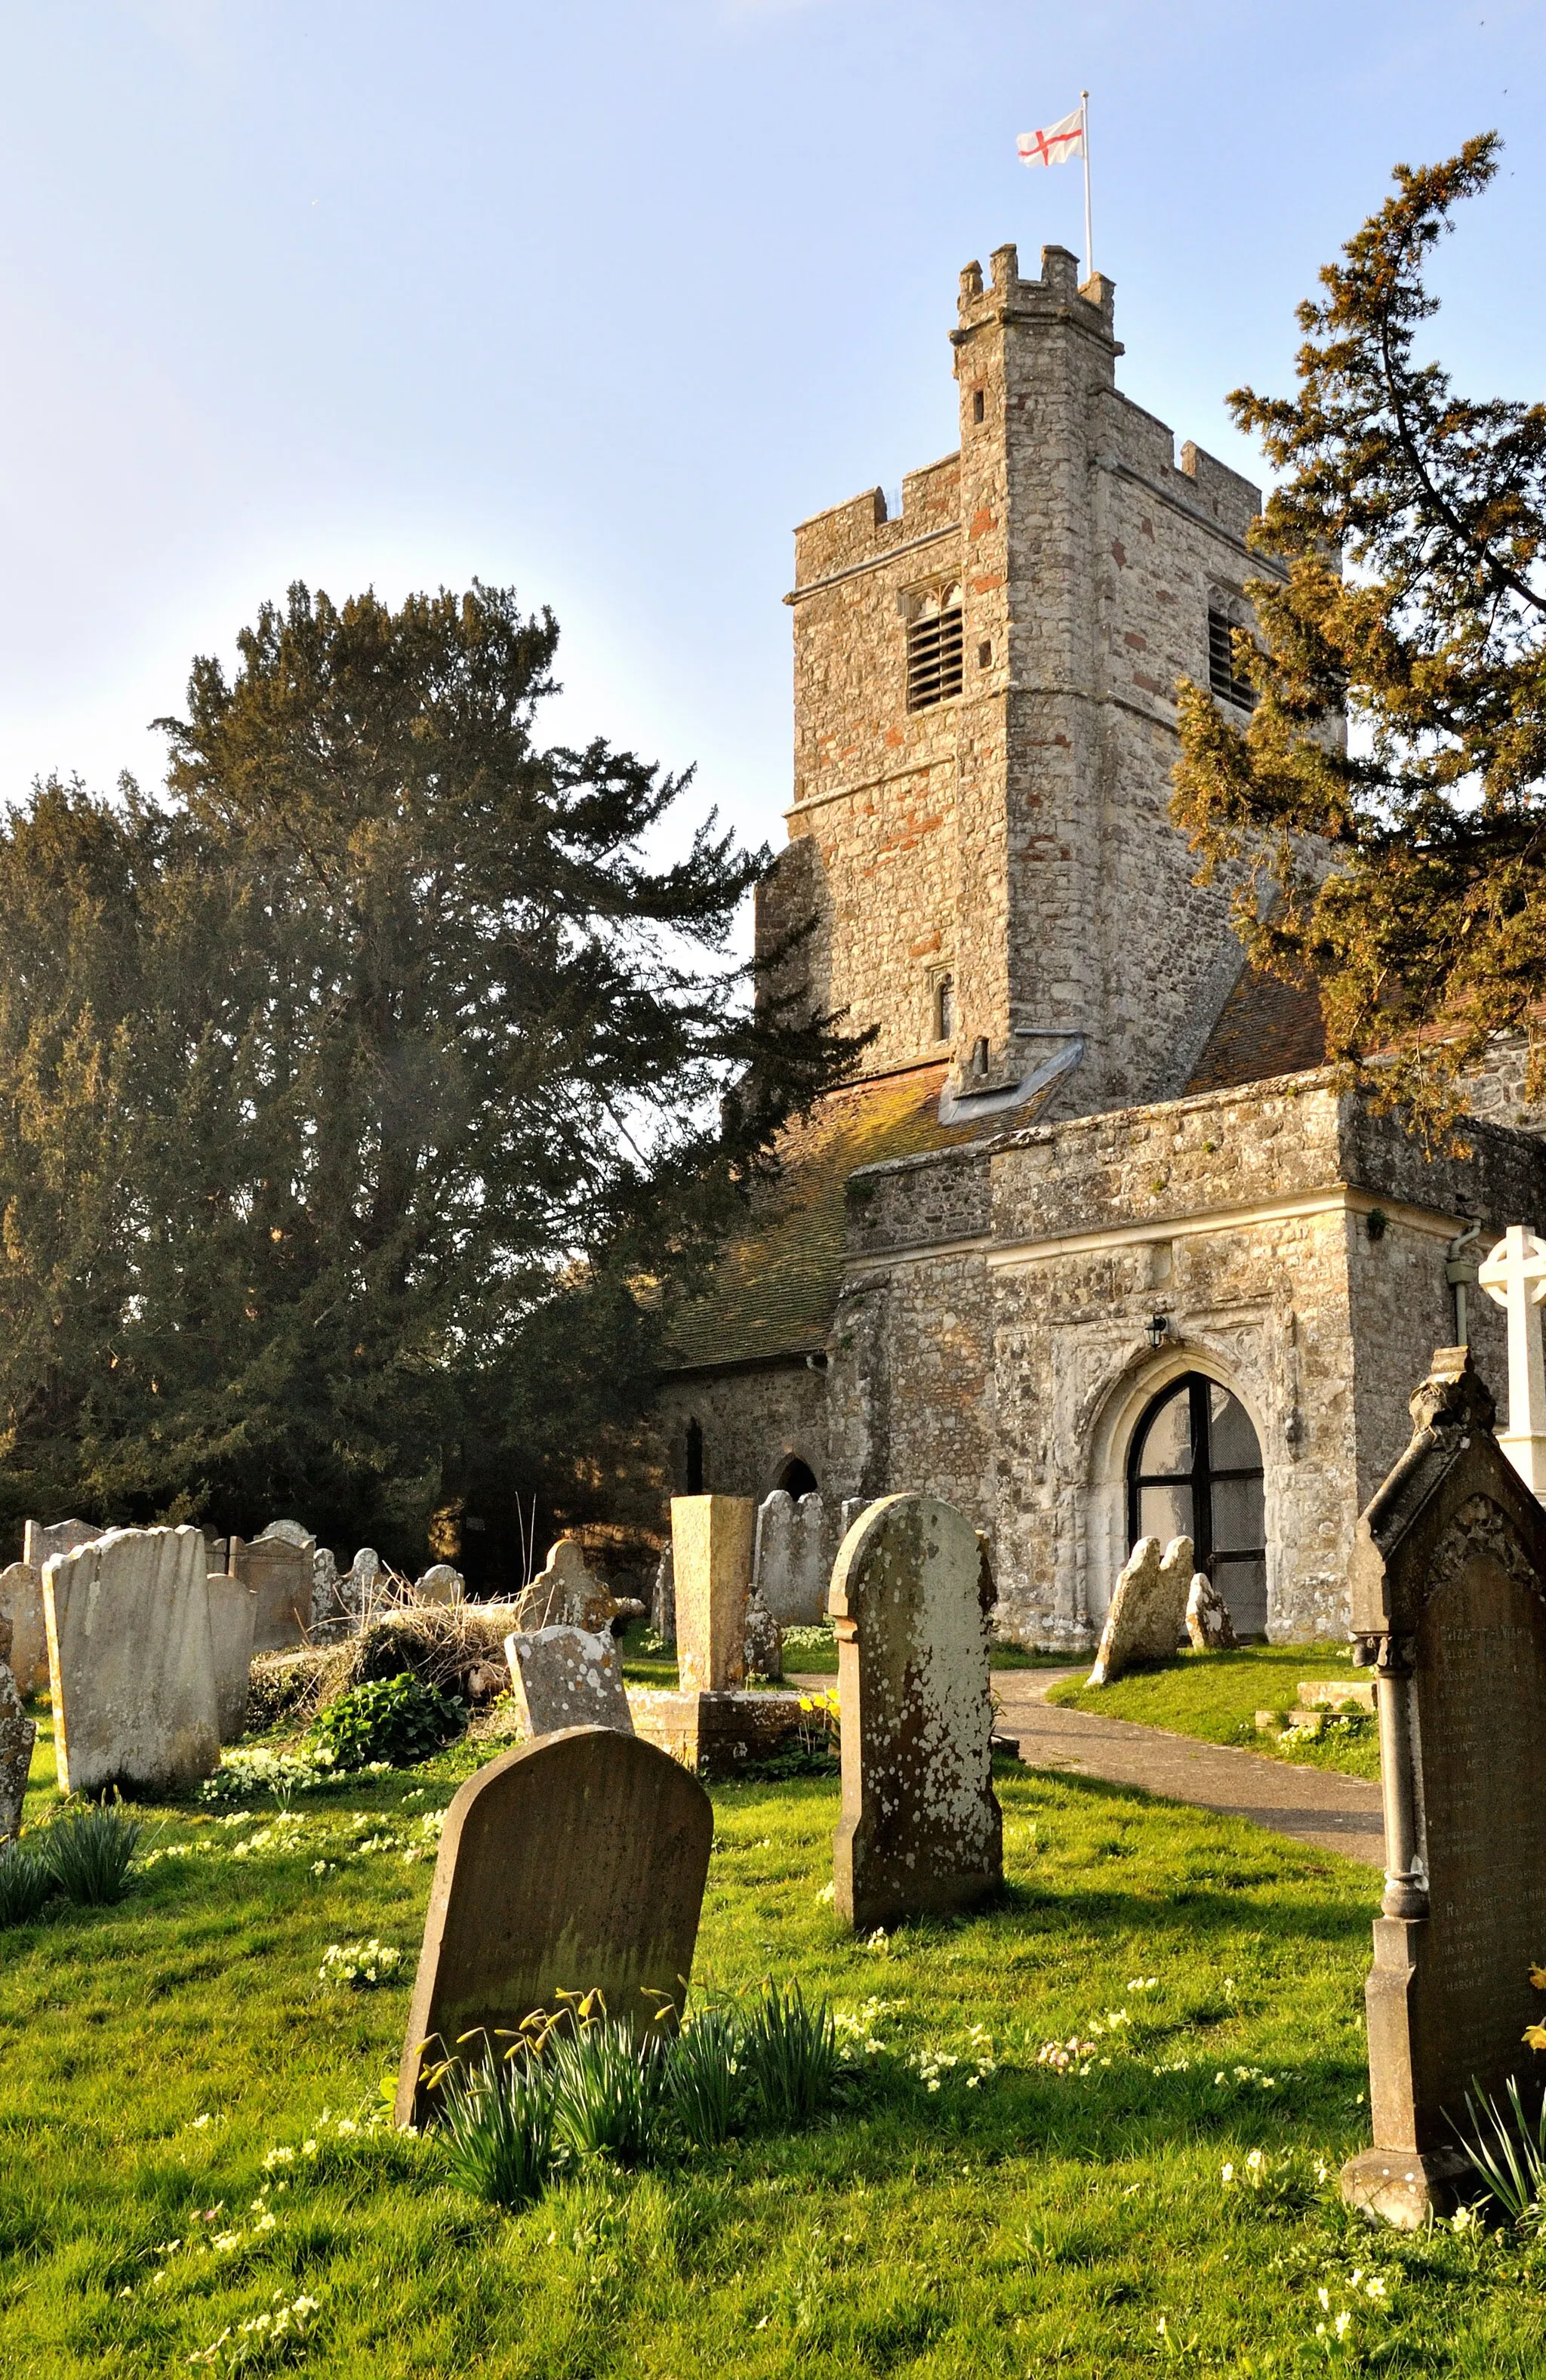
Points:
x=1405, y=871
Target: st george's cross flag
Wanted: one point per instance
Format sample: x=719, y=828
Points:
x=1057, y=145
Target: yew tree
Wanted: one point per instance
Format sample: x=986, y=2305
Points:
x=1403, y=869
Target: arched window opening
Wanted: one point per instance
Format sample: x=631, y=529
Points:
x=694, y=1457
x=1195, y=1470
x=797, y=1478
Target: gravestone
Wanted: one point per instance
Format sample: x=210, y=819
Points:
x=327, y=1605
x=1148, y=1615
x=41, y=1540
x=1448, y=1606
x=788, y=1570
x=233, y=1612
x=711, y=1556
x=566, y=1594
x=566, y=1677
x=764, y=1655
x=279, y=1572
x=920, y=1831
x=294, y=1533
x=662, y=1609
x=17, y=1735
x=577, y=1863
x=440, y=1584
x=1208, y=1621
x=131, y=1663
x=22, y=1604
x=1514, y=1277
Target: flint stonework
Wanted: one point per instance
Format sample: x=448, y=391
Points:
x=911, y=1600
x=712, y=1550
x=1449, y=1608
x=1148, y=1614
x=131, y=1663
x=577, y=1863
x=17, y=1735
x=566, y=1677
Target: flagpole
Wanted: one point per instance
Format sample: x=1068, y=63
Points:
x=1089, y=237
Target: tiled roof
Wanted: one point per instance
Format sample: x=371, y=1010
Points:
x=773, y=1290
x=1265, y=1028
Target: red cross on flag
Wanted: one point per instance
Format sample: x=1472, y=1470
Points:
x=1057, y=145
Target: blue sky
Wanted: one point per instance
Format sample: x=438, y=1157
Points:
x=599, y=299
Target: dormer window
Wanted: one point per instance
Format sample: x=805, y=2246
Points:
x=1224, y=682
x=934, y=647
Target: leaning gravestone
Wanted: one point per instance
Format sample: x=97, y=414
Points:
x=130, y=1660
x=1448, y=1606
x=232, y=1609
x=1148, y=1615
x=711, y=1556
x=1208, y=1621
x=17, y=1735
x=788, y=1568
x=574, y=1864
x=920, y=1831
x=21, y=1606
x=279, y=1572
x=566, y=1677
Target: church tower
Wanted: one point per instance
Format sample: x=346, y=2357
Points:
x=984, y=727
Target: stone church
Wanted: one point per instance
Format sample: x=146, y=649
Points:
x=1090, y=1247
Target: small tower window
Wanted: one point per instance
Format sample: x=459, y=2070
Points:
x=933, y=649
x=976, y=404
x=944, y=1007
x=1224, y=680
x=985, y=654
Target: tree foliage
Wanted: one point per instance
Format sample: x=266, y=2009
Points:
x=1405, y=867
x=367, y=1103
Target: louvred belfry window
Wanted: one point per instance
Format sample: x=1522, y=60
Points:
x=1223, y=678
x=933, y=649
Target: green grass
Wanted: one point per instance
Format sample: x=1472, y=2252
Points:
x=1217, y=1696
x=155, y=2053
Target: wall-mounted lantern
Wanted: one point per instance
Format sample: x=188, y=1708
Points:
x=1157, y=1330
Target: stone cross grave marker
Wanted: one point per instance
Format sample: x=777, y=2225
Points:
x=131, y=1660
x=1514, y=1277
x=577, y=1863
x=788, y=1568
x=711, y=1558
x=566, y=1677
x=1148, y=1615
x=1449, y=1607
x=920, y=1831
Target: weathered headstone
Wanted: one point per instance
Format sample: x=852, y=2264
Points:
x=1147, y=1618
x=327, y=1605
x=41, y=1540
x=764, y=1642
x=711, y=1549
x=789, y=1569
x=279, y=1572
x=294, y=1533
x=662, y=1609
x=566, y=1677
x=920, y=1831
x=577, y=1863
x=22, y=1604
x=566, y=1594
x=130, y=1660
x=17, y=1735
x=1514, y=1277
x=233, y=1612
x=1448, y=1606
x=1208, y=1621
x=440, y=1584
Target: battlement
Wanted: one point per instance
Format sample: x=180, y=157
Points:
x=1090, y=305
x=863, y=531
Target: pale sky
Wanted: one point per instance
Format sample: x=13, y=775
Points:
x=601, y=300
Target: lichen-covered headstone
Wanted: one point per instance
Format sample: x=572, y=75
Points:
x=1148, y=1615
x=662, y=1609
x=1208, y=1621
x=233, y=1610
x=910, y=1599
x=131, y=1662
x=764, y=1642
x=440, y=1584
x=17, y=1735
x=711, y=1551
x=574, y=1864
x=566, y=1677
x=21, y=1603
x=1448, y=1608
x=567, y=1594
x=789, y=1571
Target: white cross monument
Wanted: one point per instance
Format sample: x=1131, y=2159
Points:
x=1515, y=1274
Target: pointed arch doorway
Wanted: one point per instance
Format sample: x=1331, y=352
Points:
x=1194, y=1469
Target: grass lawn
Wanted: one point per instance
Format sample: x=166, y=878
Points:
x=1217, y=1696
x=642, y=1669
x=172, y=2163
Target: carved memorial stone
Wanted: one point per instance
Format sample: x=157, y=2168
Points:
x=131, y=1662
x=574, y=1864
x=440, y=1584
x=279, y=1572
x=789, y=1569
x=712, y=1550
x=1148, y=1616
x=1448, y=1606
x=1208, y=1621
x=566, y=1677
x=764, y=1642
x=22, y=1604
x=920, y=1831
x=566, y=1594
